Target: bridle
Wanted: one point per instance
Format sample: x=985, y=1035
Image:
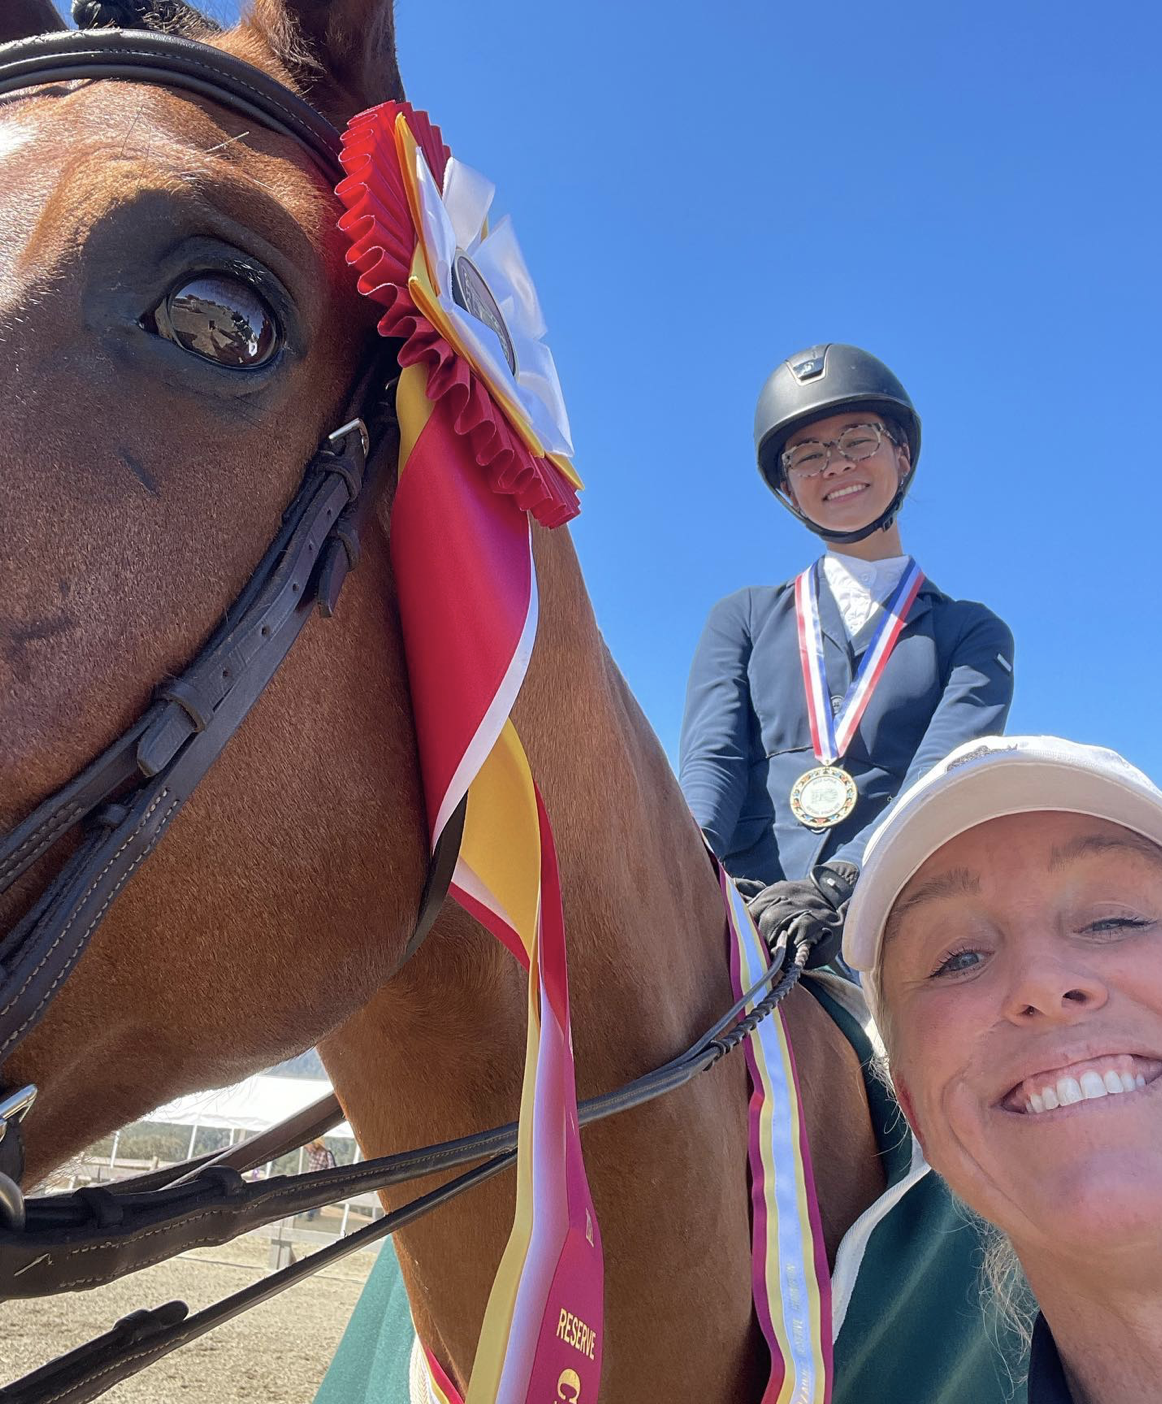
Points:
x=125, y=800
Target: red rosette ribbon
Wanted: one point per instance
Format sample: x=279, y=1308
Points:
x=383, y=224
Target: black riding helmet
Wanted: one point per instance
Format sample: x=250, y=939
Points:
x=815, y=384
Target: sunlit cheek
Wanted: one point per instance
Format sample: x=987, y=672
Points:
x=885, y=479
x=929, y=1060
x=913, y=1080
x=930, y=1118
x=963, y=1117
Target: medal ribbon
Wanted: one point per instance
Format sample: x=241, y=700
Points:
x=831, y=735
x=791, y=1283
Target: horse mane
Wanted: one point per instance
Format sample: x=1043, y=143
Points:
x=166, y=16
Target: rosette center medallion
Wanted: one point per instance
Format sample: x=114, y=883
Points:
x=471, y=292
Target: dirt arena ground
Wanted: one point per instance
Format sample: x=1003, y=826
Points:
x=275, y=1354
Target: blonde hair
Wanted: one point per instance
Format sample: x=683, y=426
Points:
x=1004, y=1284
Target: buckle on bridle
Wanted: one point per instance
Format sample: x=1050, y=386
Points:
x=338, y=437
x=13, y=1109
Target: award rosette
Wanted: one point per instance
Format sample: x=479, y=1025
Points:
x=484, y=447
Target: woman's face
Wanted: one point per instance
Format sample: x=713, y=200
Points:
x=1022, y=984
x=845, y=495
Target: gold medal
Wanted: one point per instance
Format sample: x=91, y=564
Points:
x=823, y=797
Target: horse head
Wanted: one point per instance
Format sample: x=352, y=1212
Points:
x=180, y=330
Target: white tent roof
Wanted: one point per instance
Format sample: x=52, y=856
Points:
x=254, y=1105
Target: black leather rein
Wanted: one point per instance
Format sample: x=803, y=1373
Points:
x=81, y=1240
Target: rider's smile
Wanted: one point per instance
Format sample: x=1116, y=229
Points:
x=845, y=494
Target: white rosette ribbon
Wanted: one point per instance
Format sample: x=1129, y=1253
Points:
x=454, y=225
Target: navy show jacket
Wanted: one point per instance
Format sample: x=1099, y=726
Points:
x=746, y=735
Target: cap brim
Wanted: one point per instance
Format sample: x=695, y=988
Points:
x=1012, y=784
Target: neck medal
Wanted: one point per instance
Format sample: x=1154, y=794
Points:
x=827, y=794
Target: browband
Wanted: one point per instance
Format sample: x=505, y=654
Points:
x=174, y=63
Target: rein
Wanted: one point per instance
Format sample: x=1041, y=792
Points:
x=125, y=800
x=127, y=1230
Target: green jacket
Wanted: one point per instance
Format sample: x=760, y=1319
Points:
x=908, y=1313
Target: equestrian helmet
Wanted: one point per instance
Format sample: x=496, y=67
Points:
x=815, y=384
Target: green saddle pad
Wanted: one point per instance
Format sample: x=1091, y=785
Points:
x=371, y=1364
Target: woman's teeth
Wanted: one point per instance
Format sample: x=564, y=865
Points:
x=845, y=492
x=1088, y=1087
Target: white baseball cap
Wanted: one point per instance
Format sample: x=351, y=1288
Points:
x=982, y=780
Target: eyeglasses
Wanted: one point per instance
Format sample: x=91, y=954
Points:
x=857, y=442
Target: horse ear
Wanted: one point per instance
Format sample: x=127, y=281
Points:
x=342, y=51
x=21, y=18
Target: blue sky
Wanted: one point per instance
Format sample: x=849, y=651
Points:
x=969, y=191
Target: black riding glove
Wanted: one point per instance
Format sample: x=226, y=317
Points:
x=822, y=899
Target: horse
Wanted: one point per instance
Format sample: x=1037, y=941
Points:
x=139, y=485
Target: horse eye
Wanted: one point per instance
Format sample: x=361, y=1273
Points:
x=220, y=319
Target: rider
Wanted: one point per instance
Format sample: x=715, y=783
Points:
x=813, y=703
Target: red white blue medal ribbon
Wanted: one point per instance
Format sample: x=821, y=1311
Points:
x=831, y=735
